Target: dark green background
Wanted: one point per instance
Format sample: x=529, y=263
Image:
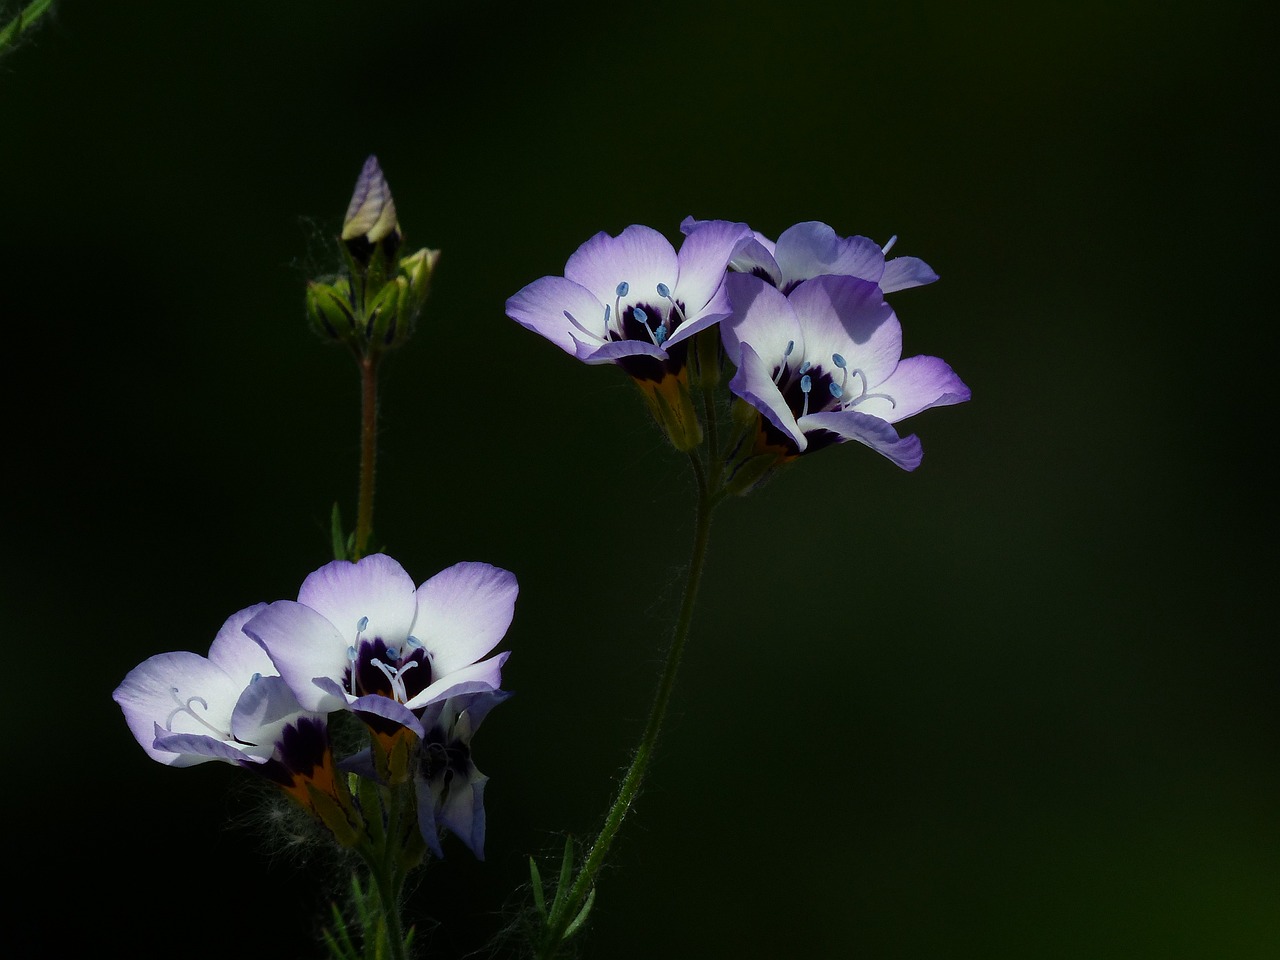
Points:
x=1020, y=703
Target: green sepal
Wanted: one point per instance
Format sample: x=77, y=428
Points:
x=707, y=356
x=342, y=820
x=751, y=472
x=370, y=797
x=672, y=407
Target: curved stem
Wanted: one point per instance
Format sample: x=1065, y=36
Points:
x=583, y=883
x=368, y=452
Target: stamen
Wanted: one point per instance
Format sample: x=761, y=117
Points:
x=836, y=390
x=839, y=361
x=415, y=643
x=620, y=291
x=393, y=653
x=791, y=345
x=660, y=334
x=643, y=317
x=889, y=246
x=805, y=367
x=255, y=678
x=665, y=291
x=594, y=336
x=806, y=384
x=351, y=658
x=362, y=625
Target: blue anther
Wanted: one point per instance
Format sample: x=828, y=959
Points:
x=415, y=643
x=804, y=367
x=606, y=315
x=393, y=653
x=351, y=653
x=661, y=333
x=622, y=288
x=641, y=315
x=791, y=345
x=837, y=360
x=806, y=383
x=255, y=678
x=664, y=290
x=836, y=391
x=364, y=622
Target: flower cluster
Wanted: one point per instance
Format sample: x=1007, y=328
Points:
x=361, y=637
x=804, y=320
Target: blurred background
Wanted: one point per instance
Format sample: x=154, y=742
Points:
x=1019, y=703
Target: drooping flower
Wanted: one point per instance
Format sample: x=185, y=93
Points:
x=361, y=637
x=813, y=249
x=450, y=788
x=823, y=365
x=186, y=709
x=634, y=301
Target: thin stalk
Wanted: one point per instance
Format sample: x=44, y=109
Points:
x=585, y=880
x=368, y=451
x=23, y=21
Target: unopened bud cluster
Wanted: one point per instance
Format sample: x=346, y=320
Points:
x=374, y=305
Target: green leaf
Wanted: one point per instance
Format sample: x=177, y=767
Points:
x=536, y=879
x=566, y=873
x=581, y=918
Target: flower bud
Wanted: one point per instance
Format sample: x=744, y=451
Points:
x=388, y=321
x=371, y=222
x=329, y=310
x=418, y=268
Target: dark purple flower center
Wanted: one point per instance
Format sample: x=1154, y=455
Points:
x=400, y=673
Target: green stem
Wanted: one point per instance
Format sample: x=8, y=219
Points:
x=368, y=451
x=23, y=21
x=583, y=883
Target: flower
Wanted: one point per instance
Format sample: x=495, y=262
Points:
x=186, y=709
x=360, y=637
x=632, y=300
x=823, y=365
x=232, y=706
x=812, y=249
x=450, y=789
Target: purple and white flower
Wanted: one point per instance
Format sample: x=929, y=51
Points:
x=450, y=788
x=362, y=637
x=232, y=706
x=814, y=249
x=632, y=299
x=824, y=365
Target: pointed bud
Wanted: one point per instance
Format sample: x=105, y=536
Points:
x=370, y=224
x=371, y=213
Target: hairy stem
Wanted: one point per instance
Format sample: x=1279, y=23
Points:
x=368, y=452
x=571, y=904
